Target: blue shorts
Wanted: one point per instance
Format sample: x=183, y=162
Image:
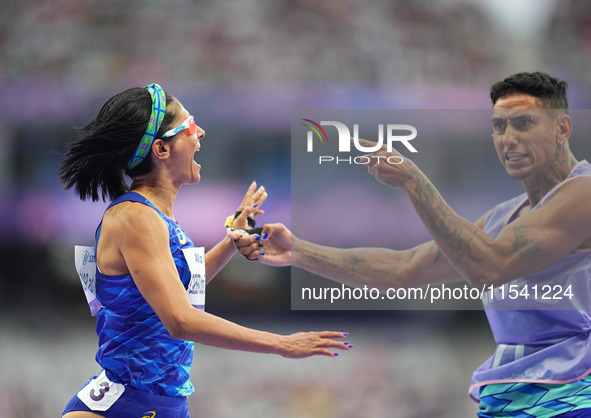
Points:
x=137, y=404
x=581, y=413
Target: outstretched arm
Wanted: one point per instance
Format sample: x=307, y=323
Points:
x=381, y=268
x=535, y=241
x=376, y=267
x=149, y=261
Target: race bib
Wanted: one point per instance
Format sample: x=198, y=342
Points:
x=85, y=261
x=100, y=393
x=196, y=260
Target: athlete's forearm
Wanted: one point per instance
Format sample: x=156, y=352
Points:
x=376, y=267
x=204, y=328
x=469, y=249
x=217, y=258
x=208, y=329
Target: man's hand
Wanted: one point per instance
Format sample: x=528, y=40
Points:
x=276, y=242
x=383, y=165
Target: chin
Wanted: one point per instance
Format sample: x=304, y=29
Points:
x=517, y=175
x=195, y=179
x=196, y=174
x=514, y=175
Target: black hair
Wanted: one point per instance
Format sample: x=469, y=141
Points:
x=550, y=91
x=95, y=164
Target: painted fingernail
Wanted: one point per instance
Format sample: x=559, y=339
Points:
x=262, y=253
x=346, y=342
x=265, y=235
x=345, y=333
x=260, y=244
x=350, y=345
x=255, y=205
x=257, y=237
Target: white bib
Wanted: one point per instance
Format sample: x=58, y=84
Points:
x=85, y=261
x=196, y=260
x=100, y=393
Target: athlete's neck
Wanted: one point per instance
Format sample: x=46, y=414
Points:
x=537, y=185
x=161, y=195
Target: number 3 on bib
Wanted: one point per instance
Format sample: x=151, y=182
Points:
x=100, y=393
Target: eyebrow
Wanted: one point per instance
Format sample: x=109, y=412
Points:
x=499, y=118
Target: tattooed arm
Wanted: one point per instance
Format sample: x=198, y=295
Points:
x=533, y=242
x=375, y=267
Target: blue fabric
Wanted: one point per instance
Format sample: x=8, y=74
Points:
x=525, y=400
x=134, y=403
x=133, y=343
x=158, y=110
x=582, y=413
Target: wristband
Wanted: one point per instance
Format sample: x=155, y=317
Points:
x=230, y=220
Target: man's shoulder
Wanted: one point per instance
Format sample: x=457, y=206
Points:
x=572, y=203
x=575, y=188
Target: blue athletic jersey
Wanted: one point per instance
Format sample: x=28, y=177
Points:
x=134, y=345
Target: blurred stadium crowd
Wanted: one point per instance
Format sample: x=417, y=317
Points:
x=376, y=43
x=372, y=43
x=242, y=66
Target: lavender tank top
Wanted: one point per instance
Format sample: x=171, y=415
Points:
x=539, y=340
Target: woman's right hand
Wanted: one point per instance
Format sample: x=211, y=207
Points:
x=276, y=242
x=307, y=344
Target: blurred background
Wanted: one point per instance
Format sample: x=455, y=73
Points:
x=241, y=67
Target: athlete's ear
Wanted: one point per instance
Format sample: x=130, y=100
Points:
x=161, y=149
x=565, y=127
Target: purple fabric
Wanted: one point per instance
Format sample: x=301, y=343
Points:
x=544, y=341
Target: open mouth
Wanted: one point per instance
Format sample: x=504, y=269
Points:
x=514, y=157
x=195, y=162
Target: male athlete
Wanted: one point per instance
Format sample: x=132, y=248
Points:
x=537, y=241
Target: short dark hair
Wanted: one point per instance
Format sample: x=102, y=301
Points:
x=550, y=91
x=97, y=161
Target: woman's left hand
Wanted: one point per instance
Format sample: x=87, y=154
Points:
x=254, y=198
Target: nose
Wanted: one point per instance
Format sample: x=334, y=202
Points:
x=200, y=132
x=509, y=138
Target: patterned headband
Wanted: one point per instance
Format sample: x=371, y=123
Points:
x=158, y=110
